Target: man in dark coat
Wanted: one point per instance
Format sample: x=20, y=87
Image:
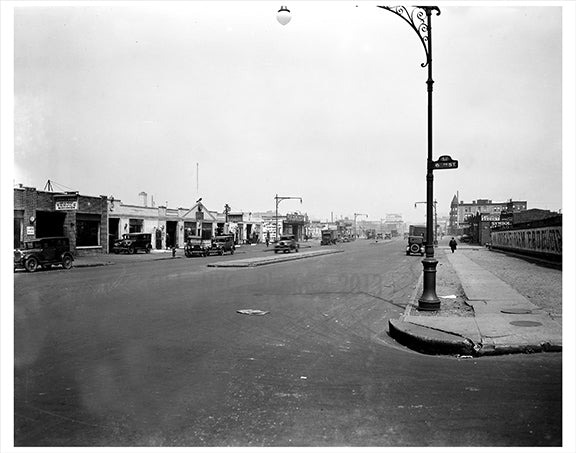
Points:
x=452, y=244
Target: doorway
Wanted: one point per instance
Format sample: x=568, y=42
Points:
x=113, y=232
x=171, y=229
x=49, y=224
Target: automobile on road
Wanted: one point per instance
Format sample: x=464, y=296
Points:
x=222, y=244
x=44, y=252
x=286, y=244
x=132, y=242
x=196, y=246
x=415, y=245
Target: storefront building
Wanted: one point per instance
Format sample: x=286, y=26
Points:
x=83, y=219
x=170, y=227
x=295, y=224
x=247, y=227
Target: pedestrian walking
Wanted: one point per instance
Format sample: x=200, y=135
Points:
x=267, y=238
x=452, y=244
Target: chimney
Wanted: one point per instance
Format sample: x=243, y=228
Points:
x=144, y=196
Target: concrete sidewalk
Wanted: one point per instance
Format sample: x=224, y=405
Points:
x=504, y=321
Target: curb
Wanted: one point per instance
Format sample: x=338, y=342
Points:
x=428, y=340
x=92, y=265
x=254, y=262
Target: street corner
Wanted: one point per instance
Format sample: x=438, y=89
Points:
x=428, y=340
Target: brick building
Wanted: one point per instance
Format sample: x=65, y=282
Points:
x=461, y=213
x=83, y=219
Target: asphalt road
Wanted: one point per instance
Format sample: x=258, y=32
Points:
x=154, y=353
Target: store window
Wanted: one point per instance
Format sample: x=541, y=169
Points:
x=136, y=226
x=87, y=230
x=189, y=230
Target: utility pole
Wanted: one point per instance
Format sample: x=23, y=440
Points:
x=278, y=200
x=355, y=229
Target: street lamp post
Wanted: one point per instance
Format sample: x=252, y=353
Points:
x=420, y=20
x=278, y=200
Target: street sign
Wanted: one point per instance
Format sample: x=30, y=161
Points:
x=444, y=162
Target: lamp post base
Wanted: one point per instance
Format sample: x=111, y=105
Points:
x=429, y=300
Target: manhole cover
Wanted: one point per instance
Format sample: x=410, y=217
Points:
x=516, y=311
x=526, y=323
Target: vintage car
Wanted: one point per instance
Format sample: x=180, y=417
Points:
x=132, y=242
x=329, y=237
x=44, y=252
x=196, y=246
x=286, y=244
x=415, y=245
x=222, y=244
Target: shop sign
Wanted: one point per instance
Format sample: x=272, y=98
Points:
x=30, y=231
x=490, y=218
x=235, y=218
x=295, y=218
x=500, y=224
x=66, y=205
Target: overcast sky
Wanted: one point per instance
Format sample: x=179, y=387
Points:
x=115, y=99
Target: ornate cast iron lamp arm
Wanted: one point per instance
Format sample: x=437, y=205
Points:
x=416, y=20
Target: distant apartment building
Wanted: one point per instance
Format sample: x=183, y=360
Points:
x=461, y=213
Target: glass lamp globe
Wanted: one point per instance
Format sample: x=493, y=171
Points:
x=283, y=15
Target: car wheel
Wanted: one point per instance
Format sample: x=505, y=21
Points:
x=187, y=253
x=231, y=251
x=148, y=248
x=31, y=264
x=221, y=252
x=275, y=251
x=131, y=250
x=67, y=262
x=116, y=252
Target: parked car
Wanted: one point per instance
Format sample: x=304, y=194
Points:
x=223, y=244
x=415, y=245
x=196, y=246
x=44, y=252
x=388, y=236
x=286, y=244
x=132, y=242
x=465, y=238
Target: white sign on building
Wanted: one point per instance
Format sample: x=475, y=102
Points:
x=67, y=205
